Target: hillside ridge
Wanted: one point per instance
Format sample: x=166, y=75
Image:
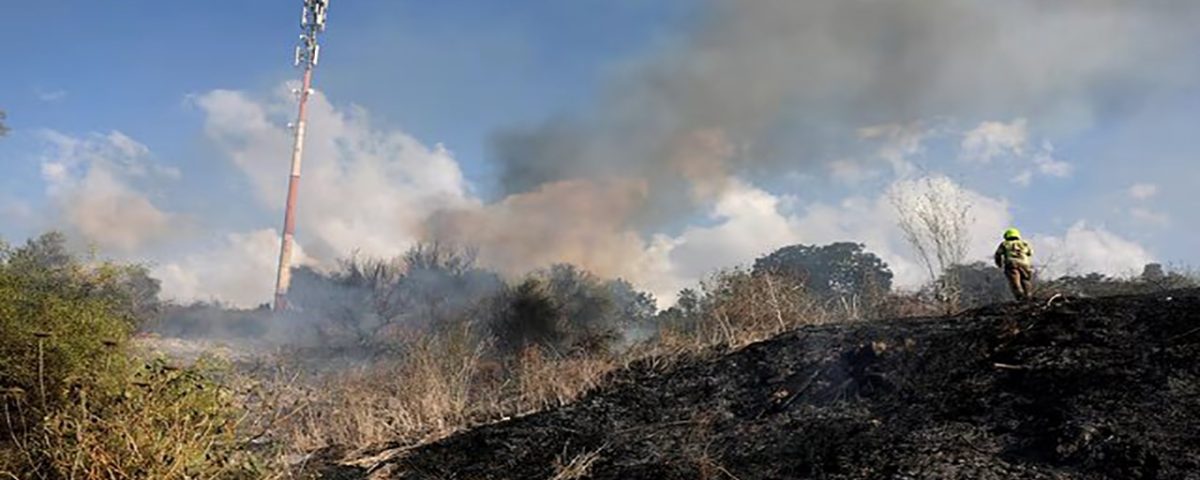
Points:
x=1073, y=388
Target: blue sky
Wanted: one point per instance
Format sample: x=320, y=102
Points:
x=447, y=72
x=668, y=137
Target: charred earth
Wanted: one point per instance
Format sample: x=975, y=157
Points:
x=1075, y=388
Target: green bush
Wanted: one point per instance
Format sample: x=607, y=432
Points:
x=59, y=322
x=138, y=419
x=75, y=403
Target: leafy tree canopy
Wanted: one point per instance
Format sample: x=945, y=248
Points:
x=837, y=269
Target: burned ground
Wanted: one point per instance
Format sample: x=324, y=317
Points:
x=1080, y=388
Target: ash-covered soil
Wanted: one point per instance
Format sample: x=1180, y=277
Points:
x=1103, y=388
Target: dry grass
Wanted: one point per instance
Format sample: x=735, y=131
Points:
x=743, y=308
x=447, y=382
x=546, y=382
x=578, y=467
x=164, y=422
x=444, y=382
x=424, y=395
x=441, y=385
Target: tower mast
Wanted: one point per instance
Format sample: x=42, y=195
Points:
x=312, y=22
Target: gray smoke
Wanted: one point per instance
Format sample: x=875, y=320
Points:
x=770, y=86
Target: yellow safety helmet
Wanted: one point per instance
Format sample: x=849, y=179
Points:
x=1012, y=234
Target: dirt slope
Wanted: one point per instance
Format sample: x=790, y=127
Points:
x=1097, y=388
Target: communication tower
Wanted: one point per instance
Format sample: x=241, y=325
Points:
x=308, y=52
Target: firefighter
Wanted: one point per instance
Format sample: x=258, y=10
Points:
x=1015, y=256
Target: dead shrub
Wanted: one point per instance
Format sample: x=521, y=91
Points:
x=578, y=467
x=433, y=390
x=740, y=307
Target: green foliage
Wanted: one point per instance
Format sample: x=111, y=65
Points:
x=76, y=403
x=366, y=300
x=983, y=284
x=834, y=270
x=141, y=420
x=633, y=306
x=1153, y=279
x=434, y=287
x=525, y=315
x=686, y=314
x=45, y=265
x=979, y=284
x=59, y=320
x=213, y=320
x=567, y=310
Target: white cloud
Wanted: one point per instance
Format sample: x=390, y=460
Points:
x=898, y=143
x=850, y=172
x=1051, y=167
x=55, y=172
x=996, y=140
x=50, y=96
x=1046, y=164
x=96, y=185
x=990, y=140
x=1084, y=249
x=747, y=222
x=1150, y=217
x=870, y=221
x=239, y=271
x=1142, y=191
x=1024, y=178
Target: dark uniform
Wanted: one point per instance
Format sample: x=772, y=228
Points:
x=1015, y=256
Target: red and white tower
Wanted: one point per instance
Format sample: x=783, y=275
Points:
x=312, y=23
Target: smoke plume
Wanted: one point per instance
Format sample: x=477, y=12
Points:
x=676, y=165
x=785, y=84
x=759, y=90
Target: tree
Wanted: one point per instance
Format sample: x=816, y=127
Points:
x=1155, y=275
x=980, y=284
x=934, y=212
x=58, y=320
x=128, y=287
x=73, y=389
x=568, y=310
x=525, y=315
x=45, y=255
x=840, y=269
x=634, y=306
x=686, y=314
x=441, y=283
x=430, y=286
x=591, y=319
